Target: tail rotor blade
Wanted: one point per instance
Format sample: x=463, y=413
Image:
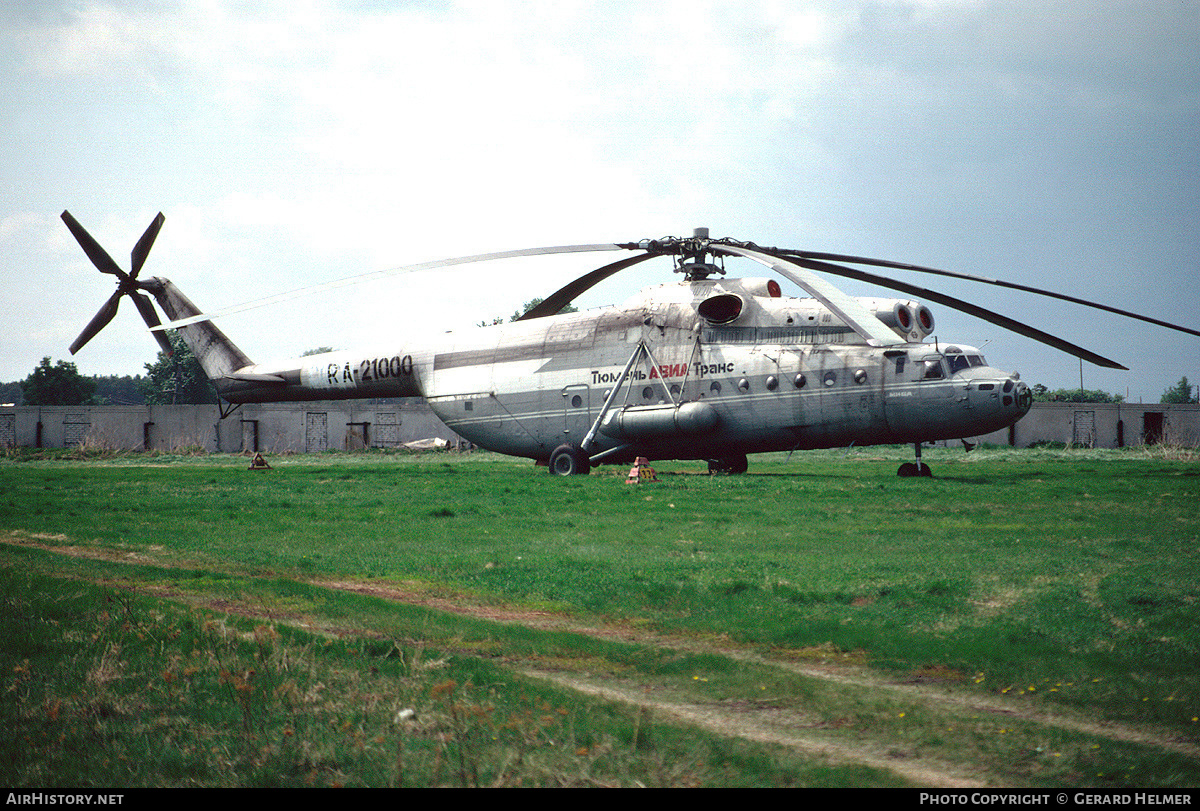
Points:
x=146, y=308
x=138, y=256
x=100, y=258
x=99, y=321
x=127, y=282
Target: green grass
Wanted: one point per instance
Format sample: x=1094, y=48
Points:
x=107, y=688
x=1047, y=580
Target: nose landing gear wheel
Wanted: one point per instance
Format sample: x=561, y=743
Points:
x=917, y=468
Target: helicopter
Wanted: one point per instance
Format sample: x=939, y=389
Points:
x=707, y=368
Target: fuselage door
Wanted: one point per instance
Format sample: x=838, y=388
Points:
x=577, y=413
x=900, y=401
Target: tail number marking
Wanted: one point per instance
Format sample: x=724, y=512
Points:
x=383, y=368
x=348, y=374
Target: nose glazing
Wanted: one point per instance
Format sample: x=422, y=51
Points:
x=1001, y=394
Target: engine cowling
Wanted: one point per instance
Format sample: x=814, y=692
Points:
x=910, y=319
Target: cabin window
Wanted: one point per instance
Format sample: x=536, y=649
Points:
x=900, y=361
x=576, y=401
x=800, y=381
x=715, y=388
x=933, y=369
x=830, y=379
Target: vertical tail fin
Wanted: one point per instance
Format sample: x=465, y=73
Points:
x=217, y=354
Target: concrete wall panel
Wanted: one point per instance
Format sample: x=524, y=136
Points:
x=348, y=425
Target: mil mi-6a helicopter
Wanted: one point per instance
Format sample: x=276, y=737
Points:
x=707, y=368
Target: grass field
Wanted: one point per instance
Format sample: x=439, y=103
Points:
x=1026, y=618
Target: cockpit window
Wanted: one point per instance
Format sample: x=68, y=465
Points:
x=933, y=369
x=957, y=363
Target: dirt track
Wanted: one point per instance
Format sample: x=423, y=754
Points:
x=760, y=723
x=772, y=725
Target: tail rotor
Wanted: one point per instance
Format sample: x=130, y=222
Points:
x=127, y=283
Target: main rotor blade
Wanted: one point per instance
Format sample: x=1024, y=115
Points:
x=884, y=263
x=379, y=274
x=138, y=256
x=100, y=258
x=963, y=306
x=146, y=308
x=99, y=321
x=853, y=314
x=569, y=292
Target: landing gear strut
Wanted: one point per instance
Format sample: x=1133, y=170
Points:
x=917, y=468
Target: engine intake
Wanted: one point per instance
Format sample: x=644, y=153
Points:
x=721, y=308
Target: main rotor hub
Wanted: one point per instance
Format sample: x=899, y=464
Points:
x=693, y=260
x=692, y=252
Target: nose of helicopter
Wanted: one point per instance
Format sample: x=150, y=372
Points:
x=1015, y=394
x=999, y=394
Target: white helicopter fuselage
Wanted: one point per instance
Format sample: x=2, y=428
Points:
x=697, y=370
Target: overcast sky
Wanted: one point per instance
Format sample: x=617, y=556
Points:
x=294, y=143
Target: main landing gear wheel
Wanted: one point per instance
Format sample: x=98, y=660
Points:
x=730, y=464
x=567, y=460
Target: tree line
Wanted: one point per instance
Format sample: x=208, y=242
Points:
x=1180, y=393
x=171, y=379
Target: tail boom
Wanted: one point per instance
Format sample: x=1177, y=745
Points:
x=344, y=375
